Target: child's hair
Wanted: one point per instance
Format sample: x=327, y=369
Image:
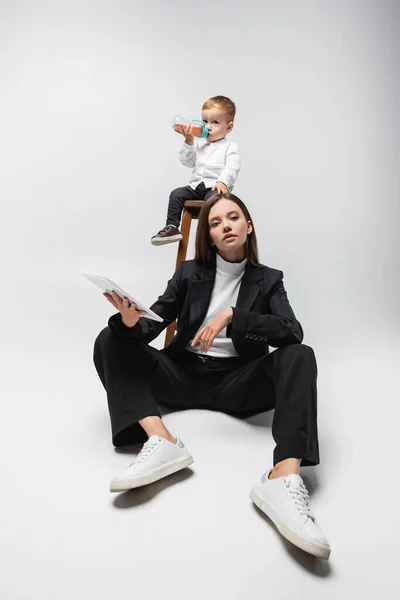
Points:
x=222, y=102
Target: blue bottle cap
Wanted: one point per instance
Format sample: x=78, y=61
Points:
x=204, y=131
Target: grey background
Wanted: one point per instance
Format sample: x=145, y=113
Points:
x=87, y=161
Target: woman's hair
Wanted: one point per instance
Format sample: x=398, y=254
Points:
x=222, y=102
x=205, y=250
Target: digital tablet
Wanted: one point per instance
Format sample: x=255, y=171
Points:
x=106, y=285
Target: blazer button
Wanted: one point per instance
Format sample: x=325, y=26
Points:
x=246, y=335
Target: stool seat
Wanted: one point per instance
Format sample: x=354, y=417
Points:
x=193, y=204
x=191, y=210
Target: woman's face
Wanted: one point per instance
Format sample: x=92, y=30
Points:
x=229, y=229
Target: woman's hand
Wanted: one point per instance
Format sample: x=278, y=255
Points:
x=186, y=131
x=130, y=316
x=220, y=187
x=207, y=333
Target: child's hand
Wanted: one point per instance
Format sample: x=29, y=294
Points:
x=186, y=132
x=220, y=187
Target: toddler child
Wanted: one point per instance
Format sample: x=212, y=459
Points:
x=215, y=162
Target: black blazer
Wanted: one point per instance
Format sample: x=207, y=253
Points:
x=262, y=315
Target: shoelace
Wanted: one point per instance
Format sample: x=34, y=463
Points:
x=301, y=498
x=165, y=229
x=145, y=452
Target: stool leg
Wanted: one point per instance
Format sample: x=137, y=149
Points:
x=185, y=230
x=181, y=255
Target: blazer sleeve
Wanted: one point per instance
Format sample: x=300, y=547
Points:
x=168, y=306
x=279, y=327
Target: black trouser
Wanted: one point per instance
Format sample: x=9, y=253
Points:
x=178, y=197
x=138, y=377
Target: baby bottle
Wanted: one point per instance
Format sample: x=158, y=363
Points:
x=198, y=128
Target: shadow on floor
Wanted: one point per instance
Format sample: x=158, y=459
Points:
x=165, y=409
x=141, y=495
x=130, y=449
x=262, y=419
x=311, y=564
x=310, y=479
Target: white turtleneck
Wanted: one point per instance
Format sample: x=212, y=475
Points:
x=228, y=278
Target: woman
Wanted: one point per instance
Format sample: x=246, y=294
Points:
x=230, y=308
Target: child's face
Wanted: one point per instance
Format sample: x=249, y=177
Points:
x=217, y=123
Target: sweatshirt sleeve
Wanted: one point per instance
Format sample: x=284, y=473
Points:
x=231, y=169
x=187, y=155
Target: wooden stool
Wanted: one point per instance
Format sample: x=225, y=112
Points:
x=191, y=210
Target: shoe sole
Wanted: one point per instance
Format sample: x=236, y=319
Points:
x=169, y=240
x=311, y=547
x=129, y=483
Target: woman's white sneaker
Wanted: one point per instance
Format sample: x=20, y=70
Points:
x=157, y=459
x=285, y=501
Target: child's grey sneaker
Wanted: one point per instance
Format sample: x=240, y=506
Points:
x=157, y=459
x=167, y=235
x=285, y=501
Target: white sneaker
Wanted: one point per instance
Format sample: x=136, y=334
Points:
x=285, y=501
x=157, y=459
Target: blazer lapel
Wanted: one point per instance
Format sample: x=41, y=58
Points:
x=200, y=295
x=249, y=288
